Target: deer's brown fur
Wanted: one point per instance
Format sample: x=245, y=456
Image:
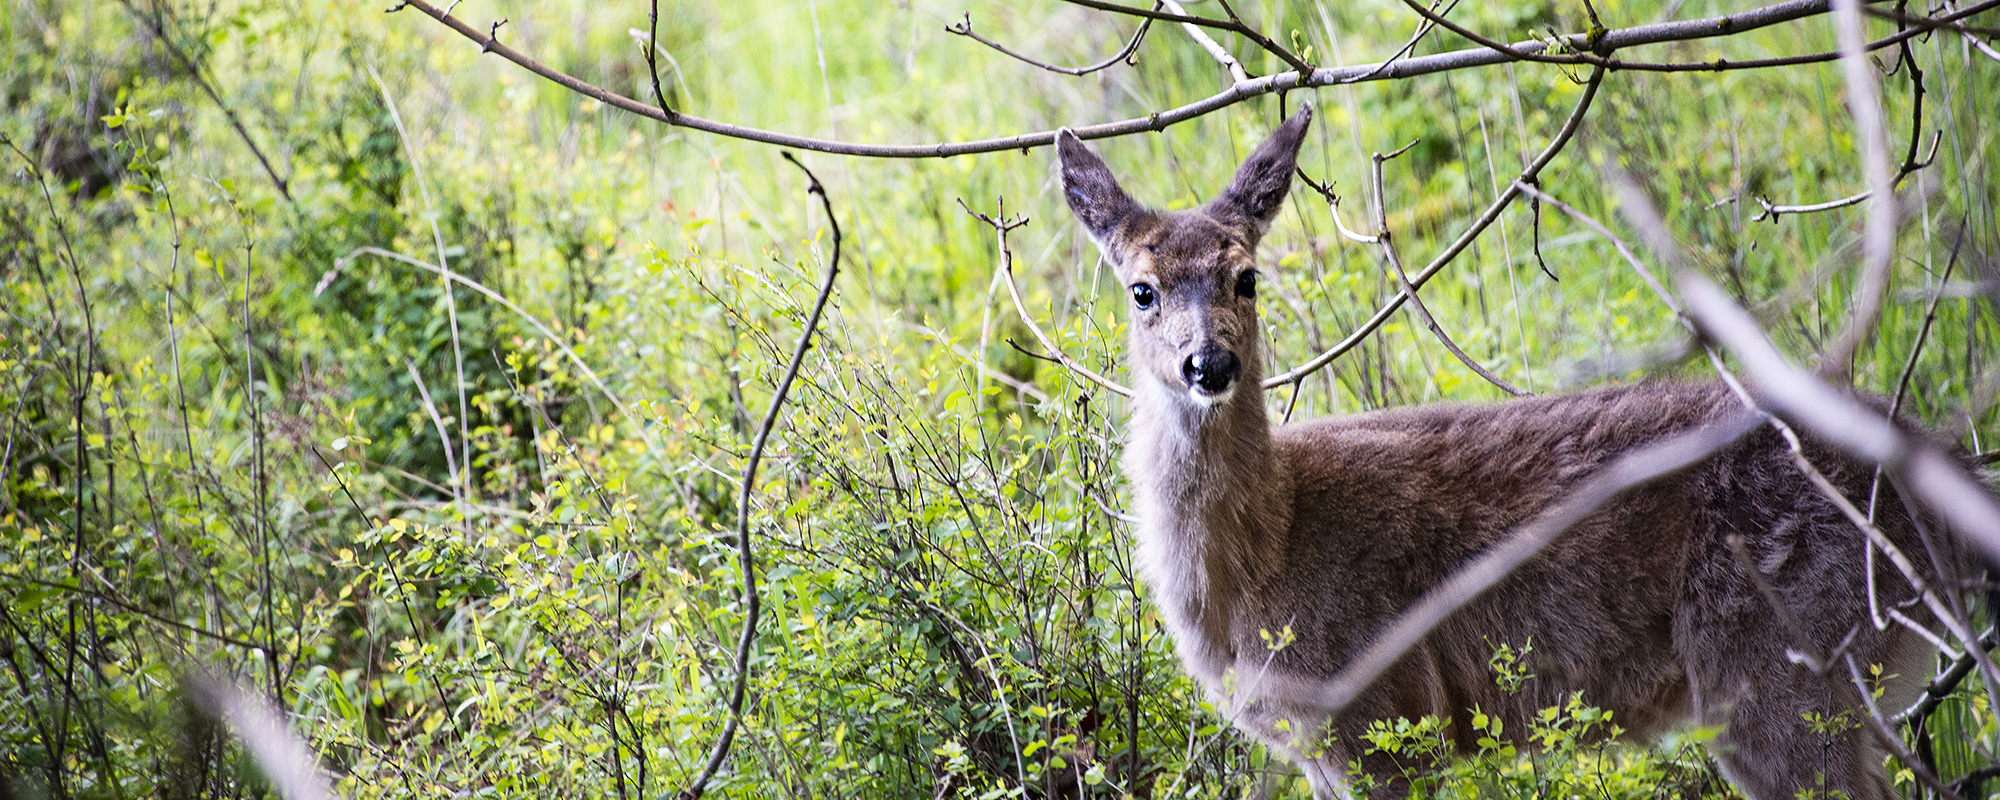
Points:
x=1333, y=527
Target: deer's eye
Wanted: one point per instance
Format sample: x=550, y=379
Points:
x=1246, y=284
x=1142, y=295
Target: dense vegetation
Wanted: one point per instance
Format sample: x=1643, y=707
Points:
x=486, y=547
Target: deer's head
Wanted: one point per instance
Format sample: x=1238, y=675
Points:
x=1190, y=276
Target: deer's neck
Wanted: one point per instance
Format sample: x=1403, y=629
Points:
x=1213, y=504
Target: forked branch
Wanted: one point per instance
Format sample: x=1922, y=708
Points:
x=1451, y=251
x=964, y=28
x=1388, y=242
x=1005, y=268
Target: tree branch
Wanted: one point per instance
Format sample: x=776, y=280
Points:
x=1388, y=243
x=746, y=641
x=964, y=28
x=1006, y=270
x=1458, y=245
x=1656, y=33
x=1232, y=25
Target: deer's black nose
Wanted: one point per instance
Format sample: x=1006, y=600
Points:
x=1211, y=368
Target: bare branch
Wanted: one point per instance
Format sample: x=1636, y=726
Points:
x=1423, y=27
x=1232, y=25
x=156, y=24
x=1946, y=682
x=1879, y=727
x=1878, y=240
x=1006, y=270
x=1927, y=22
x=1616, y=243
x=1325, y=191
x=748, y=639
x=964, y=28
x=652, y=44
x=1215, y=49
x=1593, y=49
x=1388, y=243
x=1656, y=33
x=1458, y=245
x=1934, y=478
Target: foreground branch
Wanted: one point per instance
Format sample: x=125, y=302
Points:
x=1936, y=480
x=1635, y=469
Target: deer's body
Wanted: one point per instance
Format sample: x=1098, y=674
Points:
x=1333, y=527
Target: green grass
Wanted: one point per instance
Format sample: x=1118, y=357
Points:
x=217, y=456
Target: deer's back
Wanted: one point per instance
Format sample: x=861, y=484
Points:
x=1625, y=606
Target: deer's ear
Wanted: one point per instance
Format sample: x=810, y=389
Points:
x=1093, y=194
x=1259, y=189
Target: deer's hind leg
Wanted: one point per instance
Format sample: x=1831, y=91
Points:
x=1793, y=735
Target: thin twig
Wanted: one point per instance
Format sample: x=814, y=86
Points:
x=1926, y=22
x=1946, y=682
x=1586, y=48
x=1423, y=27
x=1616, y=243
x=1879, y=727
x=1802, y=644
x=1232, y=25
x=1215, y=49
x=1388, y=243
x=157, y=28
x=286, y=760
x=652, y=62
x=744, y=561
x=964, y=28
x=1457, y=246
x=1005, y=267
x=1800, y=399
x=1325, y=191
x=1916, y=350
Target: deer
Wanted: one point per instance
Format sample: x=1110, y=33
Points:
x=1327, y=529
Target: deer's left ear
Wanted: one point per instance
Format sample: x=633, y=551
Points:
x=1259, y=189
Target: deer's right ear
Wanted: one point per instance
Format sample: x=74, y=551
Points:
x=1094, y=196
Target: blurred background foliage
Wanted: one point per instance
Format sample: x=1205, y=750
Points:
x=465, y=566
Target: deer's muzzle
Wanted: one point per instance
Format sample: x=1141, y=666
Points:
x=1210, y=370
